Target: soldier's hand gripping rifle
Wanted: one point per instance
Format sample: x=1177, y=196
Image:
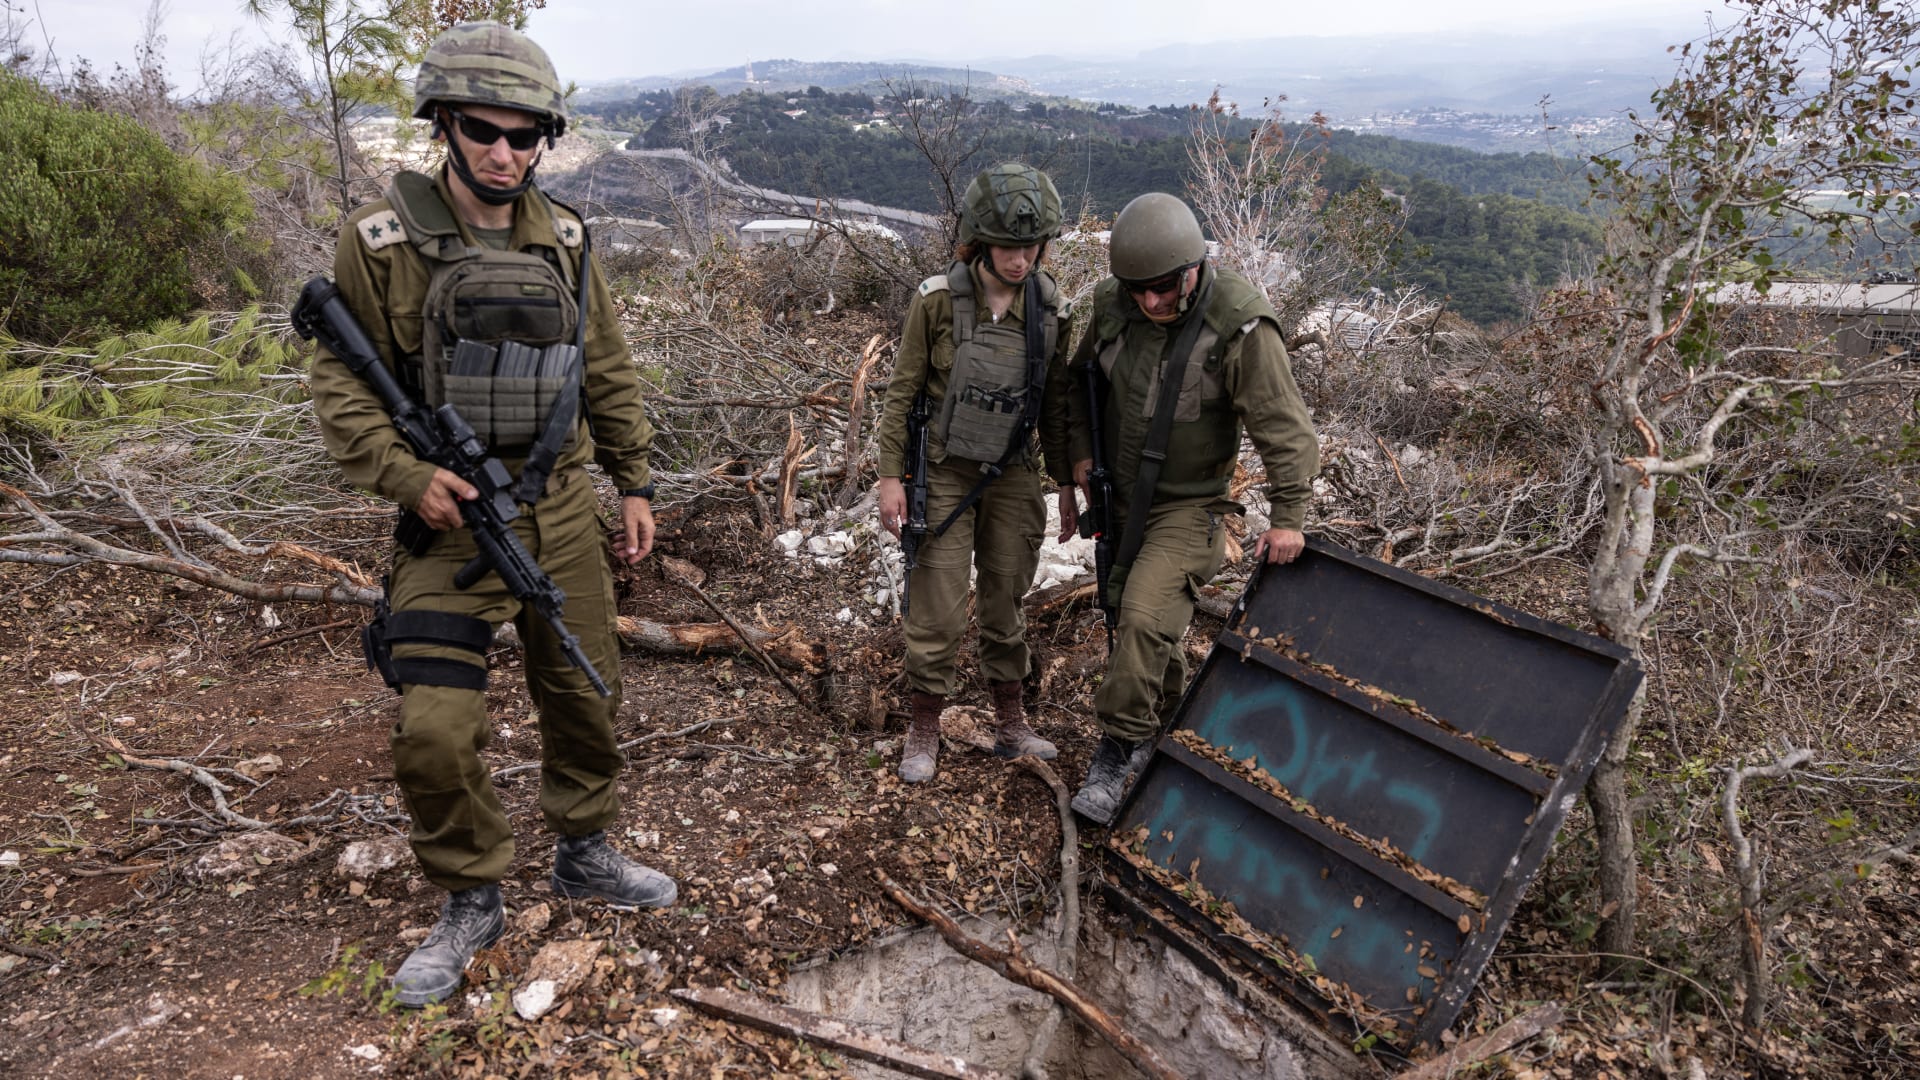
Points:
x=914, y=531
x=1097, y=523
x=444, y=438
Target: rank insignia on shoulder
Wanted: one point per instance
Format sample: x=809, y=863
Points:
x=567, y=229
x=934, y=284
x=381, y=230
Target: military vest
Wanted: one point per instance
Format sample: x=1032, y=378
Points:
x=987, y=391
x=1205, y=438
x=497, y=327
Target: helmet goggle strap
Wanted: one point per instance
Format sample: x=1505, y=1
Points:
x=475, y=129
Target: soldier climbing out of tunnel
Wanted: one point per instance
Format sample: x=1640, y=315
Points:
x=959, y=465
x=1182, y=353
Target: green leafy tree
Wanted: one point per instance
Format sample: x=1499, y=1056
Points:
x=424, y=19
x=1736, y=160
x=101, y=224
x=357, y=57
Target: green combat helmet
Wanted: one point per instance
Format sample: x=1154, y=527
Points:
x=488, y=63
x=1011, y=205
x=1154, y=235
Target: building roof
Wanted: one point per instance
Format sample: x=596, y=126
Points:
x=1827, y=297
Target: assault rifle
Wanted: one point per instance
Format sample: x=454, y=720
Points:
x=914, y=531
x=444, y=438
x=1097, y=523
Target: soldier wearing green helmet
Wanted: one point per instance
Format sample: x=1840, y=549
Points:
x=1197, y=347
x=976, y=353
x=457, y=278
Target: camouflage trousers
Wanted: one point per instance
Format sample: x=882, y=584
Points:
x=460, y=831
x=998, y=538
x=1147, y=673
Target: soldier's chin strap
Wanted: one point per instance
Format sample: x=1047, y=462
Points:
x=1187, y=296
x=492, y=196
x=986, y=260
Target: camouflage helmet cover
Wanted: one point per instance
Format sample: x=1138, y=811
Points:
x=1010, y=204
x=1154, y=235
x=489, y=63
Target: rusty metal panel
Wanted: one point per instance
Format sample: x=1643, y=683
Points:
x=1362, y=779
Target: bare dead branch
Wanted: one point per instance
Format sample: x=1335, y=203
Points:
x=1015, y=968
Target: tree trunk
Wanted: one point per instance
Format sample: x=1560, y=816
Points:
x=1619, y=868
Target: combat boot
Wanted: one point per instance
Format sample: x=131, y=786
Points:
x=1115, y=762
x=922, y=748
x=470, y=920
x=587, y=868
x=1013, y=736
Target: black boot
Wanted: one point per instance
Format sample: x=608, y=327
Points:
x=1115, y=762
x=587, y=867
x=470, y=920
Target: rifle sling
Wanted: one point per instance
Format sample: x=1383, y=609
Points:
x=566, y=408
x=1036, y=332
x=1154, y=453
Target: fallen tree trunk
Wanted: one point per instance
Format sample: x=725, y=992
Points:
x=832, y=1034
x=1465, y=1056
x=784, y=646
x=1014, y=967
x=1034, y=1066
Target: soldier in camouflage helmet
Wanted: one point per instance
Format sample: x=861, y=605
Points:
x=443, y=270
x=1164, y=305
x=475, y=68
x=977, y=345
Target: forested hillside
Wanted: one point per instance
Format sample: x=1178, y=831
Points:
x=1483, y=229
x=204, y=863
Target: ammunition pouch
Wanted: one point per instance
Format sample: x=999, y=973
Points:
x=987, y=391
x=506, y=391
x=497, y=327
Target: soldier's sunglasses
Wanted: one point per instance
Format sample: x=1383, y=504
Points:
x=486, y=134
x=1159, y=286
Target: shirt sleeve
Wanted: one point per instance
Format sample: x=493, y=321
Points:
x=354, y=425
x=910, y=362
x=622, y=435
x=1064, y=421
x=1260, y=382
x=1079, y=433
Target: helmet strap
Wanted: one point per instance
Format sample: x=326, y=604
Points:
x=986, y=260
x=1187, y=296
x=492, y=196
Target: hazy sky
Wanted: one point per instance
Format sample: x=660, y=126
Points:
x=601, y=39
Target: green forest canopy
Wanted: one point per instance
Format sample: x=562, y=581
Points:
x=1484, y=228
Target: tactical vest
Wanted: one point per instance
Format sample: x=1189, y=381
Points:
x=1206, y=430
x=497, y=327
x=987, y=389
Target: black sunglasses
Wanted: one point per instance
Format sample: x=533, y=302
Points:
x=486, y=134
x=1166, y=284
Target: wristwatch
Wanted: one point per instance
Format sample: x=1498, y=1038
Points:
x=638, y=493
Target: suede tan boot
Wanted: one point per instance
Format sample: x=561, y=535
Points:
x=922, y=749
x=1013, y=736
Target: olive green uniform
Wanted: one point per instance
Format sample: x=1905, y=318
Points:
x=1237, y=374
x=460, y=832
x=999, y=537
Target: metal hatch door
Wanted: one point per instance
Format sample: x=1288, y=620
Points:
x=1367, y=771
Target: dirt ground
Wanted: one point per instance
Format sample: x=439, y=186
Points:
x=132, y=947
